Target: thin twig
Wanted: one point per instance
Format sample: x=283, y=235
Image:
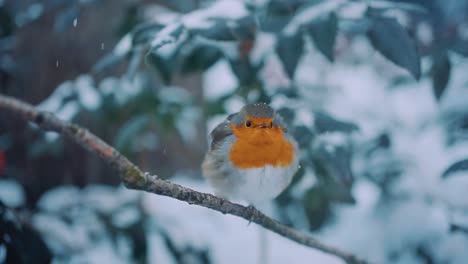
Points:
x=134, y=178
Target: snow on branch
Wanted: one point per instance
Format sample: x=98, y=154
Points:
x=134, y=178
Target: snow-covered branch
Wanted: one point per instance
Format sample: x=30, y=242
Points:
x=134, y=178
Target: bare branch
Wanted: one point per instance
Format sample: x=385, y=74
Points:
x=134, y=178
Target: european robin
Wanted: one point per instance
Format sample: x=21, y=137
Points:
x=251, y=156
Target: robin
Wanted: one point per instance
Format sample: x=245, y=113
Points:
x=251, y=157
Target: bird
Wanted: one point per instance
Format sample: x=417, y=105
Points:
x=251, y=156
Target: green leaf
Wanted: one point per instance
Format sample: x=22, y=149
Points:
x=162, y=65
x=245, y=71
x=393, y=42
x=332, y=164
x=458, y=166
x=323, y=32
x=440, y=73
x=200, y=59
x=7, y=23
x=303, y=135
x=316, y=207
x=289, y=49
x=211, y=108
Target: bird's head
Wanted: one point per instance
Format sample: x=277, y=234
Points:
x=258, y=124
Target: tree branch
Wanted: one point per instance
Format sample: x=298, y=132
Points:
x=134, y=178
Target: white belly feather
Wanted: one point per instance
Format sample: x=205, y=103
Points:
x=256, y=185
x=262, y=184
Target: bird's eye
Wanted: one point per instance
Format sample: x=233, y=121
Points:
x=248, y=124
x=271, y=124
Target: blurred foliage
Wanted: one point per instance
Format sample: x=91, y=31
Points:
x=22, y=243
x=177, y=39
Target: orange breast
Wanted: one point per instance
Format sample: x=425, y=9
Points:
x=257, y=147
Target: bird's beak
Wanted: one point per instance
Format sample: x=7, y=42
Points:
x=263, y=125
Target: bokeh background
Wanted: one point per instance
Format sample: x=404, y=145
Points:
x=375, y=92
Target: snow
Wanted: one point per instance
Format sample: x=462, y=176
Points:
x=353, y=10
x=101, y=198
x=264, y=45
x=103, y=252
x=234, y=104
x=159, y=250
x=126, y=217
x=11, y=193
x=123, y=46
x=160, y=14
x=186, y=123
x=212, y=87
x=87, y=94
x=57, y=103
x=123, y=89
x=58, y=199
x=273, y=75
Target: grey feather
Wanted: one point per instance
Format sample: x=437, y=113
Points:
x=258, y=110
x=220, y=132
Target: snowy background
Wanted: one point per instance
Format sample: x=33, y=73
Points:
x=375, y=92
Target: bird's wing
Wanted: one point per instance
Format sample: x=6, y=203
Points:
x=220, y=132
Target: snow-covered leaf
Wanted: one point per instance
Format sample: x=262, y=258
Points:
x=228, y=30
x=145, y=32
x=401, y=5
x=11, y=193
x=59, y=199
x=308, y=14
x=220, y=30
x=168, y=35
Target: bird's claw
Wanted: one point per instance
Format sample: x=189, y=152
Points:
x=251, y=211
